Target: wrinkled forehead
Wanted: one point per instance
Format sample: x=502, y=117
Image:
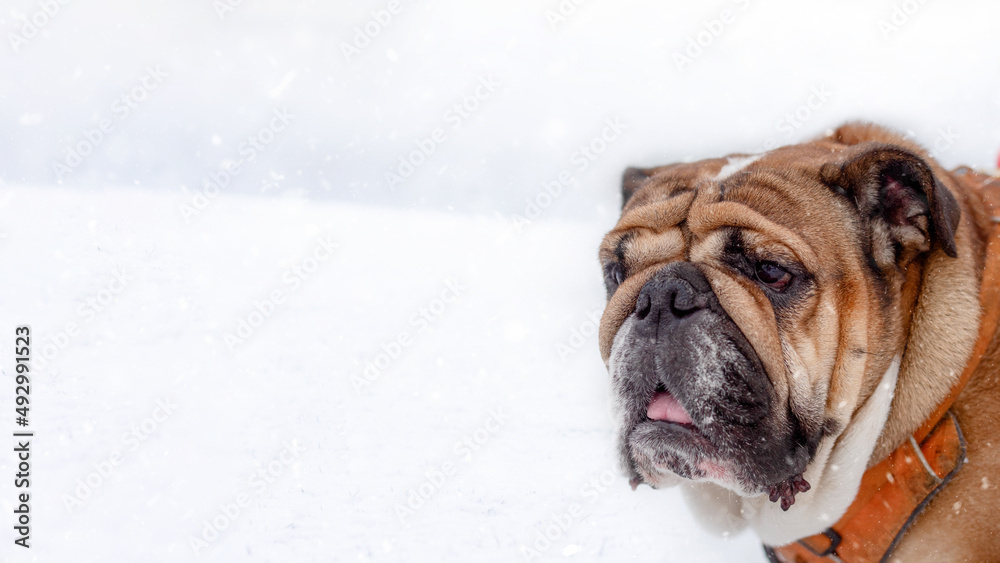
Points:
x=778, y=193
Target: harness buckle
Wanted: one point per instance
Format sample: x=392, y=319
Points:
x=831, y=549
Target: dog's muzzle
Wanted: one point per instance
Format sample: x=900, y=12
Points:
x=693, y=399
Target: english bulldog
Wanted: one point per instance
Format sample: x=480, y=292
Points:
x=777, y=323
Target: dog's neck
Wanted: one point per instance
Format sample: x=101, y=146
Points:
x=942, y=330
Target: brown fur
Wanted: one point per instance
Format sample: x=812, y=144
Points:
x=826, y=357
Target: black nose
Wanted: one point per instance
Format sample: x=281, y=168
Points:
x=676, y=292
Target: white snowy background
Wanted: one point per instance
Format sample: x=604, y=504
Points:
x=159, y=437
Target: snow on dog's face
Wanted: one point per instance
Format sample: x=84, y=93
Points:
x=753, y=303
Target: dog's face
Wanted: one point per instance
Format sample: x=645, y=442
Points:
x=754, y=302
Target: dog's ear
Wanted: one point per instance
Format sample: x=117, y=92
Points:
x=904, y=205
x=632, y=180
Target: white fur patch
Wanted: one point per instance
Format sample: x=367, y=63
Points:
x=734, y=165
x=834, y=473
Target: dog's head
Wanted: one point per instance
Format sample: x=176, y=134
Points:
x=755, y=301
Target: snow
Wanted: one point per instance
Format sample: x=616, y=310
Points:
x=481, y=385
x=207, y=343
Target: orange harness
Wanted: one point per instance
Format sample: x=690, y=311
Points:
x=893, y=493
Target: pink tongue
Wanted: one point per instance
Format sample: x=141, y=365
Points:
x=665, y=407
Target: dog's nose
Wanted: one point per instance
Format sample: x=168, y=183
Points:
x=675, y=292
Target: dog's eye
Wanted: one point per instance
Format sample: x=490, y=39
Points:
x=614, y=275
x=772, y=275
